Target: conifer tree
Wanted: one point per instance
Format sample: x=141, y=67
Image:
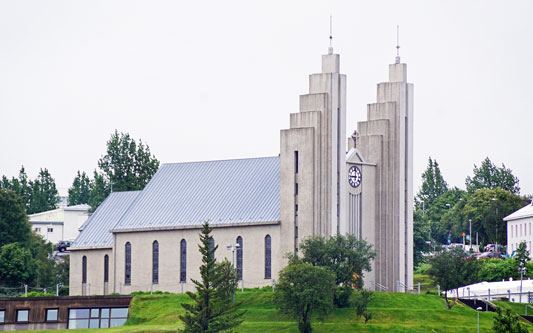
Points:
x=80, y=191
x=212, y=309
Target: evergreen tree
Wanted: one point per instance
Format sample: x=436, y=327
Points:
x=212, y=309
x=19, y=185
x=44, y=195
x=80, y=191
x=507, y=322
x=522, y=254
x=489, y=176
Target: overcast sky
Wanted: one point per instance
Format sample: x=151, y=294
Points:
x=205, y=80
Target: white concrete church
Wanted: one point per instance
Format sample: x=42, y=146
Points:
x=148, y=239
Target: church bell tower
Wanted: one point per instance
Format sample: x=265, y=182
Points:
x=313, y=159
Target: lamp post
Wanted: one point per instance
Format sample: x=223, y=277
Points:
x=478, y=309
x=522, y=270
x=470, y=233
x=232, y=248
x=496, y=241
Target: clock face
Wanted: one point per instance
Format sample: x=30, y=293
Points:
x=354, y=177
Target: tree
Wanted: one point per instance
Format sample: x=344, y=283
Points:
x=80, y=191
x=433, y=185
x=522, y=254
x=489, y=176
x=17, y=265
x=14, y=225
x=346, y=256
x=212, y=309
x=302, y=290
x=506, y=322
x=127, y=165
x=100, y=189
x=361, y=301
x=487, y=208
x=19, y=185
x=451, y=270
x=44, y=195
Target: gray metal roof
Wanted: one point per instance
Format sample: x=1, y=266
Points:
x=95, y=231
x=221, y=192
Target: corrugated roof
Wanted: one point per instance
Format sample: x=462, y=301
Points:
x=221, y=192
x=526, y=211
x=95, y=231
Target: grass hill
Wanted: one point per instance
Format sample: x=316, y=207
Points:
x=392, y=312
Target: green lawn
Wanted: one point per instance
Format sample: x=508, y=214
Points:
x=392, y=312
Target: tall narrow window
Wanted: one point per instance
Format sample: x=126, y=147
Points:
x=127, y=270
x=84, y=269
x=212, y=246
x=155, y=262
x=296, y=162
x=183, y=260
x=106, y=268
x=295, y=188
x=239, y=258
x=268, y=257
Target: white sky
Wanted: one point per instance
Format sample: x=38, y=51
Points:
x=204, y=80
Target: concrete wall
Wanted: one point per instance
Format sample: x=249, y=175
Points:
x=95, y=272
x=169, y=256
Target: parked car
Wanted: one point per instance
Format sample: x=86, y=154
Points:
x=63, y=245
x=490, y=255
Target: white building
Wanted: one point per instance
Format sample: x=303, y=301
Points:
x=519, y=228
x=61, y=223
x=516, y=291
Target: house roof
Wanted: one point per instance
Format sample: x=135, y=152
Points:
x=523, y=212
x=226, y=192
x=95, y=231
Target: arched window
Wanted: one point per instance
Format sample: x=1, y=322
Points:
x=268, y=257
x=212, y=246
x=106, y=268
x=155, y=262
x=239, y=258
x=84, y=269
x=183, y=260
x=127, y=270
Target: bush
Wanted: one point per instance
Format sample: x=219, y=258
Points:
x=342, y=296
x=423, y=269
x=39, y=294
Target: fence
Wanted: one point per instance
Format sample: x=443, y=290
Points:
x=23, y=290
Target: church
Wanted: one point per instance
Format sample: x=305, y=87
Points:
x=322, y=183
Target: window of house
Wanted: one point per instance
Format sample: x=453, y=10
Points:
x=183, y=260
x=268, y=257
x=106, y=268
x=239, y=258
x=84, y=269
x=127, y=264
x=97, y=317
x=50, y=229
x=23, y=315
x=296, y=162
x=51, y=314
x=520, y=229
x=295, y=188
x=2, y=316
x=296, y=210
x=37, y=229
x=155, y=262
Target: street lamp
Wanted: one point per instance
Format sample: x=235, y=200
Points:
x=232, y=248
x=496, y=241
x=478, y=309
x=522, y=270
x=470, y=233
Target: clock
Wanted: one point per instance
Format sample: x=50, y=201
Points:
x=354, y=177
